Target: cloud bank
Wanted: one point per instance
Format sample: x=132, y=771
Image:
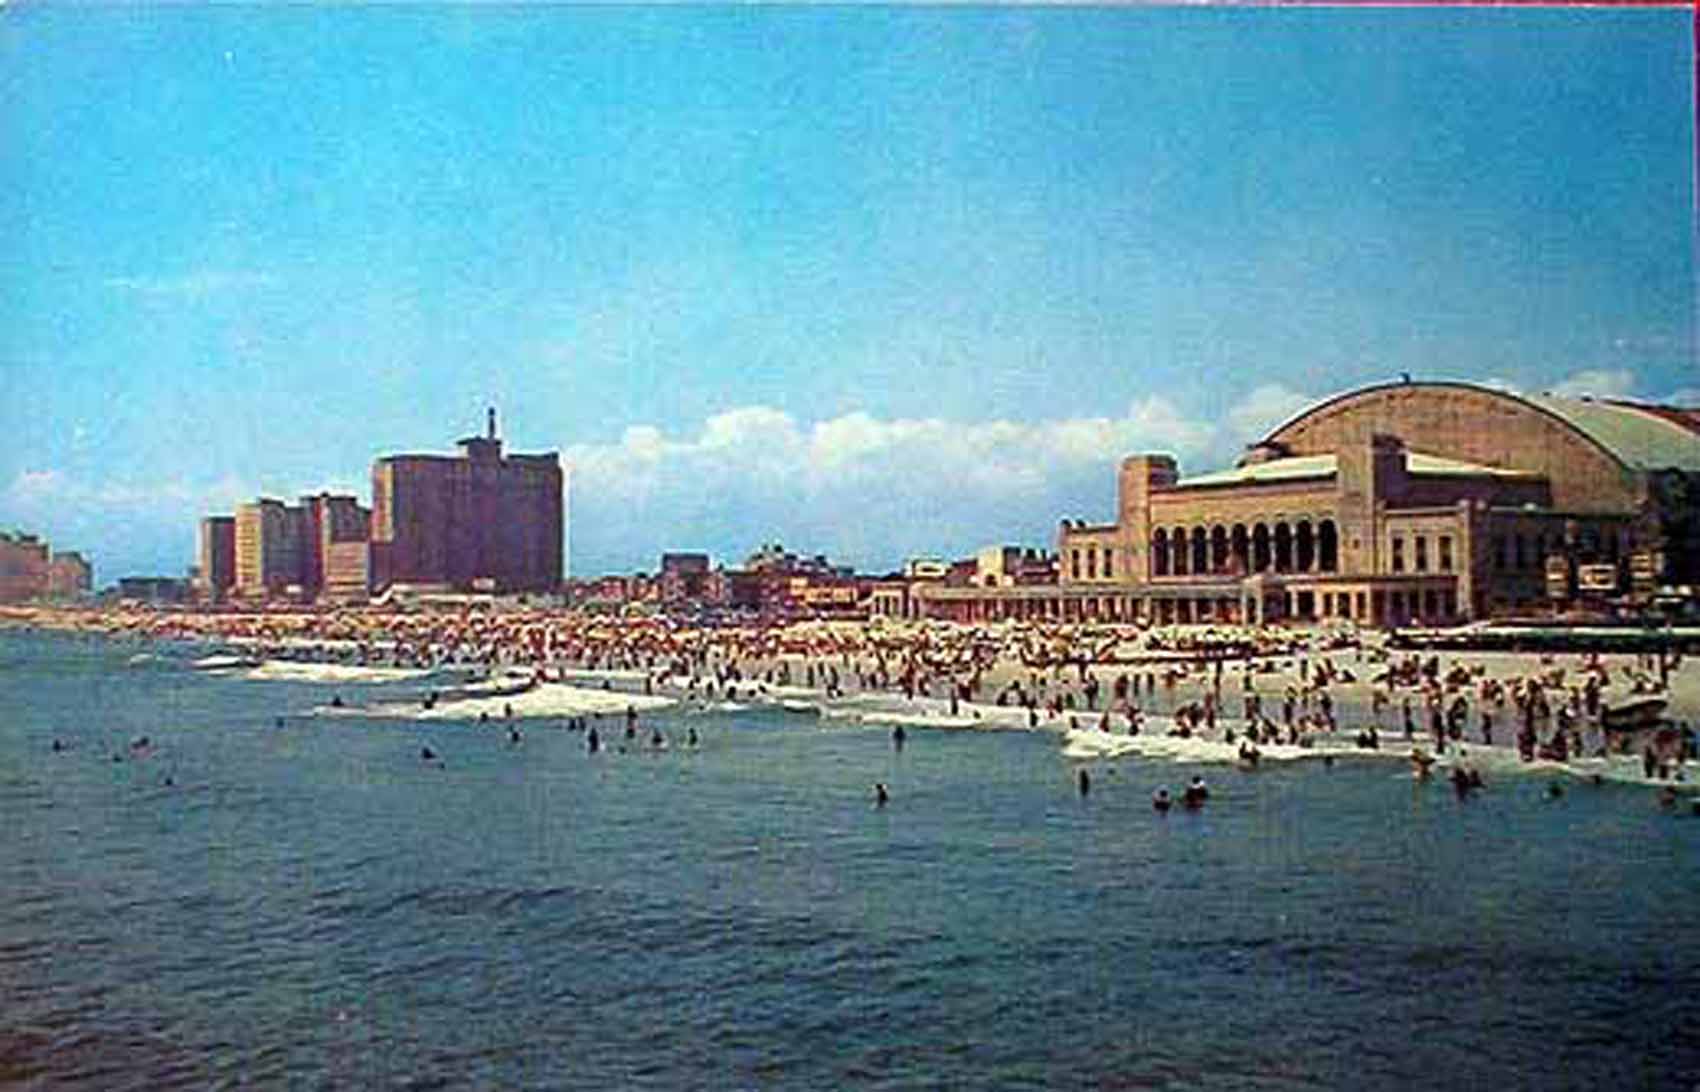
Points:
x=872, y=491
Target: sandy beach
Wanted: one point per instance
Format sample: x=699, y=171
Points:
x=1195, y=693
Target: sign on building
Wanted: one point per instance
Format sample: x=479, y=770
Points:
x=1596, y=578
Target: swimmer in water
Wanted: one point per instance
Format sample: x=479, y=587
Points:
x=882, y=796
x=691, y=736
x=593, y=742
x=1196, y=793
x=1161, y=802
x=898, y=735
x=427, y=754
x=513, y=736
x=1085, y=783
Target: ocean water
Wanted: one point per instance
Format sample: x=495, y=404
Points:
x=311, y=904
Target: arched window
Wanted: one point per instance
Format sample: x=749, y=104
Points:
x=1160, y=553
x=1328, y=548
x=1182, y=553
x=1305, y=548
x=1283, y=548
x=1261, y=555
x=1200, y=551
x=1218, y=549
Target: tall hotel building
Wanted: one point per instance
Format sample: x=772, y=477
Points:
x=216, y=571
x=480, y=520
x=316, y=547
x=268, y=548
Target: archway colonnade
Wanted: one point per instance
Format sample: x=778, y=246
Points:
x=1297, y=546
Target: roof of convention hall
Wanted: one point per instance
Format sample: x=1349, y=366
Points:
x=1641, y=436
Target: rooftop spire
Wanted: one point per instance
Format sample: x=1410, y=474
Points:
x=491, y=426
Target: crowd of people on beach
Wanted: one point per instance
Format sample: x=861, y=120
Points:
x=1294, y=687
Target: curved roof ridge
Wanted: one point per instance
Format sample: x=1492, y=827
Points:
x=1630, y=433
x=1680, y=416
x=1636, y=438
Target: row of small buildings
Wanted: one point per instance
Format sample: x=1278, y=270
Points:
x=481, y=520
x=776, y=584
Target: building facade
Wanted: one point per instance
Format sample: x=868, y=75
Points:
x=336, y=560
x=1409, y=502
x=216, y=558
x=481, y=520
x=69, y=576
x=269, y=544
x=23, y=567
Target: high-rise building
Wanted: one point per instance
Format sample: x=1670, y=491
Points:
x=338, y=556
x=23, y=567
x=69, y=576
x=268, y=547
x=481, y=519
x=217, y=558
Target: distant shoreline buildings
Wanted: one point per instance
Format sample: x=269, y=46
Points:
x=31, y=572
x=1389, y=505
x=481, y=521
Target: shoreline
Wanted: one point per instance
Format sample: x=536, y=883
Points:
x=1314, y=690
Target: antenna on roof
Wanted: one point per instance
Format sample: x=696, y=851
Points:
x=490, y=427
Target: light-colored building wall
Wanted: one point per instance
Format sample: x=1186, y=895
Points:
x=268, y=547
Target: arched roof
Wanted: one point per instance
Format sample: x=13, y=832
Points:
x=1638, y=437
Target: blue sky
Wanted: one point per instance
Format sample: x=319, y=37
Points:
x=870, y=281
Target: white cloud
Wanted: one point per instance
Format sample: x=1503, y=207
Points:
x=1597, y=383
x=50, y=489
x=870, y=489
x=1267, y=406
x=32, y=486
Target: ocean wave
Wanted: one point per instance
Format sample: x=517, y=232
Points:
x=542, y=700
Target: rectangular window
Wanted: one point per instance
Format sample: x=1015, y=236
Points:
x=1091, y=562
x=1109, y=563
x=1422, y=553
x=1445, y=553
x=1074, y=557
x=1398, y=553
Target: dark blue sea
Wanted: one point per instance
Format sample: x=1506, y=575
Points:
x=311, y=905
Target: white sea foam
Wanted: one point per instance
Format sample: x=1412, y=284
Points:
x=893, y=709
x=613, y=673
x=544, y=700
x=301, y=671
x=1088, y=744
